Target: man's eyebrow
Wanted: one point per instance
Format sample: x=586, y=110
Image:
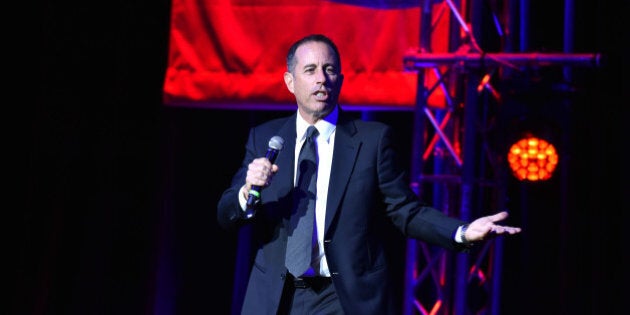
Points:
x=326, y=65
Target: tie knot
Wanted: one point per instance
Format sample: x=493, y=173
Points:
x=311, y=132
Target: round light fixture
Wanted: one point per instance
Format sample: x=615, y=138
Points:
x=532, y=159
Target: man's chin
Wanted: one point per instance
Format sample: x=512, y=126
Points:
x=323, y=108
x=318, y=110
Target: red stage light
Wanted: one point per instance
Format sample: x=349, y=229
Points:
x=532, y=159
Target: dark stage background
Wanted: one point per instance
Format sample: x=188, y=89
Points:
x=121, y=190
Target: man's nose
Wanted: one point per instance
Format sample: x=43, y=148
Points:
x=321, y=76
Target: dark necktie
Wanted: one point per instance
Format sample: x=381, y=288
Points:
x=300, y=238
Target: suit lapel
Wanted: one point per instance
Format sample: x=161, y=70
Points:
x=285, y=160
x=344, y=158
x=282, y=185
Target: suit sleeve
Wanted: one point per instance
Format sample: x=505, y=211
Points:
x=229, y=211
x=411, y=216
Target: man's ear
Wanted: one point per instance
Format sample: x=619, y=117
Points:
x=288, y=80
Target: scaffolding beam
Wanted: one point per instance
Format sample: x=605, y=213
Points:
x=417, y=61
x=450, y=276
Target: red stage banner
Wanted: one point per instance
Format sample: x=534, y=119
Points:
x=234, y=52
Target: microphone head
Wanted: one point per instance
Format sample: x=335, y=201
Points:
x=276, y=143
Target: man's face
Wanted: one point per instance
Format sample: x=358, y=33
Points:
x=315, y=81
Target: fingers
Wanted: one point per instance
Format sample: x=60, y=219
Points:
x=500, y=216
x=259, y=172
x=500, y=229
x=486, y=227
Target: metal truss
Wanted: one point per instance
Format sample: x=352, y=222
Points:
x=450, y=156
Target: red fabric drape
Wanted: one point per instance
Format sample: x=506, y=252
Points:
x=225, y=51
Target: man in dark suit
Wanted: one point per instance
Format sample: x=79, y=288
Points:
x=359, y=190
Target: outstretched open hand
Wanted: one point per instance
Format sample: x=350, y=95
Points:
x=486, y=227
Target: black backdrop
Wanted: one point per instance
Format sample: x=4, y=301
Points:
x=121, y=190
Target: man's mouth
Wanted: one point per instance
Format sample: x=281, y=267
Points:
x=321, y=95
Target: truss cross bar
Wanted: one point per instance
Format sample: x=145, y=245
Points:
x=416, y=61
x=435, y=137
x=448, y=144
x=447, y=95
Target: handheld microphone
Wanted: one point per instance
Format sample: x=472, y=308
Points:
x=275, y=145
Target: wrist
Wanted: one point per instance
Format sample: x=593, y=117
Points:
x=462, y=234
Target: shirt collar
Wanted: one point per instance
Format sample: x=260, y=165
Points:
x=325, y=126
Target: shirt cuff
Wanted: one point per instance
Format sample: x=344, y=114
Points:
x=241, y=199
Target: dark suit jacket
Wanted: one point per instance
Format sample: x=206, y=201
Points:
x=367, y=191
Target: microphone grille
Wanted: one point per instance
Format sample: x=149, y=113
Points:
x=276, y=143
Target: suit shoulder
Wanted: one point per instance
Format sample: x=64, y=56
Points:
x=371, y=124
x=273, y=124
x=371, y=127
x=260, y=134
